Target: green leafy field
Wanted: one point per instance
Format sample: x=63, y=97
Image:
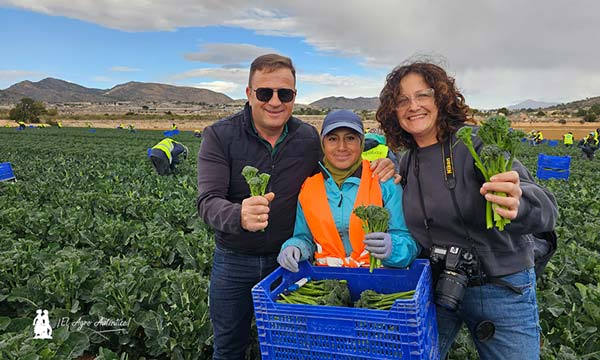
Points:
x=89, y=231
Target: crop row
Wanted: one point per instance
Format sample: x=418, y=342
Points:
x=89, y=231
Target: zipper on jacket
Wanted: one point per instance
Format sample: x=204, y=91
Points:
x=341, y=198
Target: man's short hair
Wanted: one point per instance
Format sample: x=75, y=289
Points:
x=271, y=62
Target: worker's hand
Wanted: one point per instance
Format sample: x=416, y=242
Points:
x=383, y=168
x=508, y=183
x=288, y=258
x=255, y=212
x=379, y=244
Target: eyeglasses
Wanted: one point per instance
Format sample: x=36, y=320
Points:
x=420, y=97
x=284, y=95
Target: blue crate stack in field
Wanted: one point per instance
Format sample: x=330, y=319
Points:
x=292, y=331
x=6, y=172
x=553, y=167
x=170, y=133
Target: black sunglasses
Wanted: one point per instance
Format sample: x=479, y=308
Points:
x=284, y=95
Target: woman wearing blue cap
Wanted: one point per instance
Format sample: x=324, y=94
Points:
x=326, y=228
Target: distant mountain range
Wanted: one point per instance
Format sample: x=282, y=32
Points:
x=52, y=90
x=531, y=104
x=340, y=102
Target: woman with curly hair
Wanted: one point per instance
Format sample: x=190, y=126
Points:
x=483, y=277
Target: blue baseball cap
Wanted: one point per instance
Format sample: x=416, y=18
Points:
x=342, y=118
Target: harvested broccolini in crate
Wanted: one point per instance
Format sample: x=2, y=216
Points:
x=317, y=292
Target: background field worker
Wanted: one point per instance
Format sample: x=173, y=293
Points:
x=121, y=126
x=531, y=137
x=588, y=145
x=376, y=148
x=326, y=228
x=165, y=155
x=539, y=137
x=197, y=133
x=173, y=126
x=21, y=125
x=568, y=139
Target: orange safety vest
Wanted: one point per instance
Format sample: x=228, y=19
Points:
x=330, y=249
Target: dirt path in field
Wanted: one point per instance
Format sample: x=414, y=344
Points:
x=551, y=130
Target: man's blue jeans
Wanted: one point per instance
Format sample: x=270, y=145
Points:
x=515, y=317
x=230, y=299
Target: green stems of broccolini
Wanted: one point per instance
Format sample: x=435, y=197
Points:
x=500, y=144
x=374, y=219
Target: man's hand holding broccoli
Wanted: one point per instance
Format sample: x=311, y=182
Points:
x=255, y=209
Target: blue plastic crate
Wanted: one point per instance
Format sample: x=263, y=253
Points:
x=169, y=133
x=552, y=143
x=290, y=331
x=553, y=167
x=6, y=172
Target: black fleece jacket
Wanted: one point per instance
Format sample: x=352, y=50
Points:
x=230, y=144
x=501, y=252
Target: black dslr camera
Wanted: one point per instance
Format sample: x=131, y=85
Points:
x=458, y=266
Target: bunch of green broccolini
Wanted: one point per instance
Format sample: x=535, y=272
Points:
x=374, y=219
x=500, y=145
x=319, y=292
x=257, y=183
x=336, y=293
x=369, y=299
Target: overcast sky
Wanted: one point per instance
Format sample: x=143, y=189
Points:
x=500, y=52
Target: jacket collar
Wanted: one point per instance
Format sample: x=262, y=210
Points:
x=327, y=175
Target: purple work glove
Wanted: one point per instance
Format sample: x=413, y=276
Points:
x=288, y=258
x=379, y=244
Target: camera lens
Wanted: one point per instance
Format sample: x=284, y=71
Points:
x=450, y=289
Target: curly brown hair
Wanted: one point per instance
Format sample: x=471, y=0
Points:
x=452, y=110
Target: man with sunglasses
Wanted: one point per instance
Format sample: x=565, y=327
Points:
x=249, y=231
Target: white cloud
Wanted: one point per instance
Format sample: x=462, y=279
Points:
x=483, y=87
x=10, y=75
x=230, y=81
x=123, y=69
x=227, y=54
x=311, y=87
x=236, y=75
x=499, y=50
x=139, y=15
x=225, y=87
